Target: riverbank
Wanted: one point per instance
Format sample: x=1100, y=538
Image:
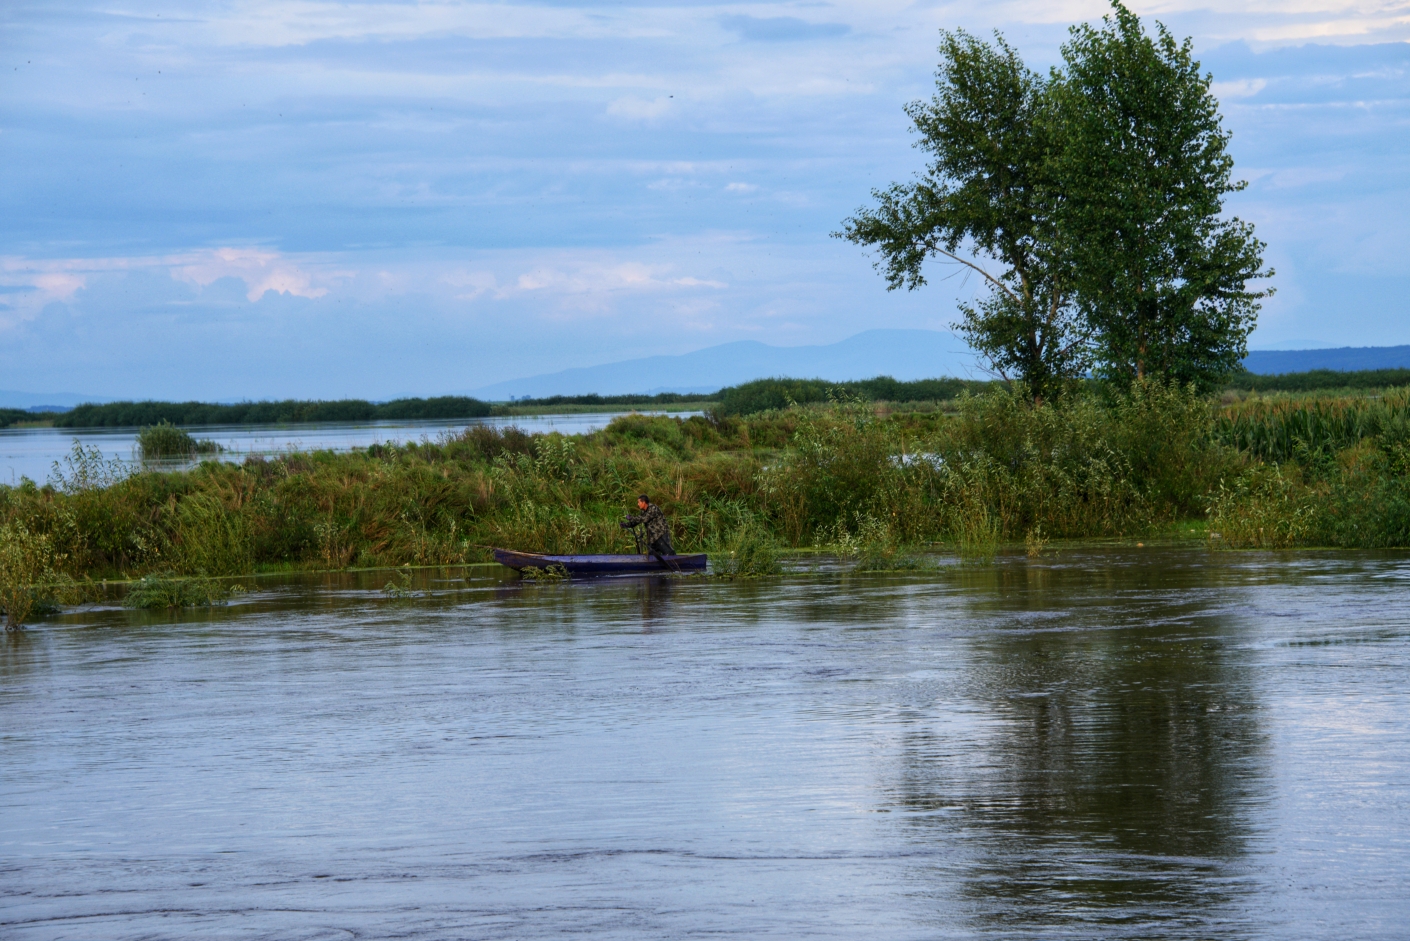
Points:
x=863, y=481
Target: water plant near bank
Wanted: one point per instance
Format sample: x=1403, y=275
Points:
x=28, y=566
x=867, y=483
x=164, y=441
x=163, y=591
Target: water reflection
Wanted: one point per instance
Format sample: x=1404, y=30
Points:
x=1163, y=744
x=1103, y=767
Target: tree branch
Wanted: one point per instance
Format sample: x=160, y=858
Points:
x=969, y=264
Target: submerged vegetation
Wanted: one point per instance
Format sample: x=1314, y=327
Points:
x=165, y=591
x=165, y=441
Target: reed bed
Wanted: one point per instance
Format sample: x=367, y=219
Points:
x=868, y=483
x=1286, y=429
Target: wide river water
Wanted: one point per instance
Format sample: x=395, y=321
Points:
x=32, y=452
x=1110, y=742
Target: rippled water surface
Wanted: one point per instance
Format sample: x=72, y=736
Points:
x=1152, y=743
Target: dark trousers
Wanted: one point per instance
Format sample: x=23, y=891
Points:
x=661, y=547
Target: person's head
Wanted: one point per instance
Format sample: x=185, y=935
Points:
x=643, y=502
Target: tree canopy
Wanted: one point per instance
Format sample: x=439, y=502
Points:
x=987, y=196
x=1089, y=202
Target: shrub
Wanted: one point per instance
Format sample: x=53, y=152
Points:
x=168, y=591
x=27, y=561
x=748, y=553
x=165, y=441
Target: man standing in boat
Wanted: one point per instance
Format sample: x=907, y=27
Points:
x=658, y=529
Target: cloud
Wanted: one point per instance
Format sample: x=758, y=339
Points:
x=445, y=165
x=590, y=285
x=37, y=283
x=261, y=270
x=639, y=109
x=471, y=284
x=1240, y=88
x=780, y=28
x=32, y=287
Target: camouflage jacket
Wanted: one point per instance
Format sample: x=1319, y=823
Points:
x=654, y=520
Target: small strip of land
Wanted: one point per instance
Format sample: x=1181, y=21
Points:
x=866, y=480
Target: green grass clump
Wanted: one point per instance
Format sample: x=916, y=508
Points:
x=1281, y=430
x=164, y=441
x=167, y=591
x=748, y=553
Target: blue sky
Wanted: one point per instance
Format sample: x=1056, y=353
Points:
x=250, y=199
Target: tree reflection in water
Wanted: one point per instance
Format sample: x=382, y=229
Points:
x=1096, y=759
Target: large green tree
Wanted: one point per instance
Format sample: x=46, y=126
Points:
x=1162, y=277
x=987, y=203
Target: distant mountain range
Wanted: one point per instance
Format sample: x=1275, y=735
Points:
x=1341, y=359
x=901, y=354
x=45, y=401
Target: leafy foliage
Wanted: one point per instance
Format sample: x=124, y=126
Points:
x=764, y=394
x=1088, y=201
x=1281, y=430
x=868, y=483
x=27, y=567
x=13, y=416
x=1319, y=380
x=1144, y=167
x=987, y=195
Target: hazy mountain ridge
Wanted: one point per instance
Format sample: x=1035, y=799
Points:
x=901, y=354
x=1340, y=359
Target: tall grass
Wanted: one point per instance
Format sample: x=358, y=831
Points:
x=1308, y=428
x=164, y=441
x=867, y=484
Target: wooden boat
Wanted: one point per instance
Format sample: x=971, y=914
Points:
x=601, y=564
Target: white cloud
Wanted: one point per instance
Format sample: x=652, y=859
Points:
x=261, y=270
x=599, y=279
x=1242, y=88
x=471, y=284
x=638, y=109
x=35, y=283
x=29, y=288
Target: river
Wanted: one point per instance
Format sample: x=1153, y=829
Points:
x=1110, y=742
x=32, y=452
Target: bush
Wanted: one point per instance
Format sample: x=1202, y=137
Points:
x=27, y=561
x=748, y=554
x=165, y=441
x=167, y=591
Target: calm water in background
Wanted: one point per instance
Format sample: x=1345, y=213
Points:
x=31, y=452
x=1153, y=743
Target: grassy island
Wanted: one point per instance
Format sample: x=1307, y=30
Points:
x=1271, y=472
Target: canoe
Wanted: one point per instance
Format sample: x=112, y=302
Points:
x=600, y=564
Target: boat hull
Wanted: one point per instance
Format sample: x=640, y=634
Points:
x=601, y=564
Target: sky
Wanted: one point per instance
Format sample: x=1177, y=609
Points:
x=248, y=199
